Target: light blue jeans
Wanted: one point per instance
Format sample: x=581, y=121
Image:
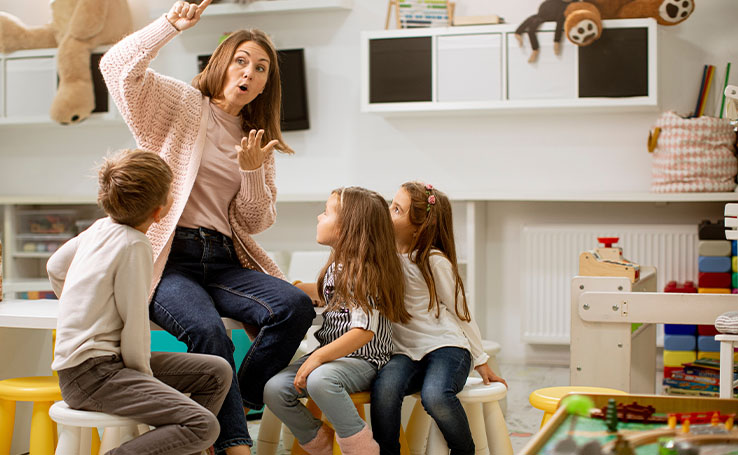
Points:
x=329, y=386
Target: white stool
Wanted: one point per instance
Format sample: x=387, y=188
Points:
x=75, y=429
x=727, y=341
x=486, y=422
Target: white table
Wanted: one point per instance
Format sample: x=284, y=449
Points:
x=42, y=314
x=29, y=314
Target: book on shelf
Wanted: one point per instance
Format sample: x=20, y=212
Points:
x=489, y=19
x=669, y=390
x=689, y=385
x=682, y=376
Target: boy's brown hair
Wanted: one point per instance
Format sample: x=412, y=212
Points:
x=132, y=184
x=365, y=256
x=430, y=211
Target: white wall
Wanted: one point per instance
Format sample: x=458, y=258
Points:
x=509, y=153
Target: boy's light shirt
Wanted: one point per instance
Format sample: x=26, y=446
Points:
x=102, y=278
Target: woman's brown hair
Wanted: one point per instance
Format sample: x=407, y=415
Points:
x=430, y=211
x=265, y=111
x=365, y=255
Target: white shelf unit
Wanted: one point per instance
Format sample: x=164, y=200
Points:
x=38, y=68
x=271, y=6
x=556, y=77
x=25, y=271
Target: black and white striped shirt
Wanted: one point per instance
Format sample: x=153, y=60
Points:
x=344, y=318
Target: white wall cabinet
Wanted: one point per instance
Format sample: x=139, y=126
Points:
x=484, y=68
x=456, y=80
x=28, y=82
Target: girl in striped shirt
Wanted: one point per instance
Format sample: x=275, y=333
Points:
x=362, y=287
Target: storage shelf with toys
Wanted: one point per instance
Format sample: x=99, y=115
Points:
x=483, y=69
x=33, y=228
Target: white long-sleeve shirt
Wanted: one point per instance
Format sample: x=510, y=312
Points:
x=102, y=278
x=425, y=332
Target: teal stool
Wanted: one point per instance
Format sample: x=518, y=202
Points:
x=163, y=341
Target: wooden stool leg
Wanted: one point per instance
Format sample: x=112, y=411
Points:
x=127, y=433
x=85, y=440
x=476, y=425
x=7, y=421
x=546, y=416
x=69, y=439
x=436, y=442
x=498, y=438
x=404, y=448
x=270, y=430
x=110, y=439
x=417, y=430
x=42, y=429
x=94, y=442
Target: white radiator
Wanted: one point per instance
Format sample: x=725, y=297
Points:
x=551, y=260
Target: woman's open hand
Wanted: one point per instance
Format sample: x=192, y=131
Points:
x=251, y=154
x=185, y=15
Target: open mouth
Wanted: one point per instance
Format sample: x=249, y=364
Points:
x=243, y=88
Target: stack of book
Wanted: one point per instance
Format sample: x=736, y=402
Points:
x=699, y=378
x=424, y=13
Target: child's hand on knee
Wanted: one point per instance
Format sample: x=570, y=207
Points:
x=304, y=371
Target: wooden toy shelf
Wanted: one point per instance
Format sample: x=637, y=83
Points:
x=605, y=352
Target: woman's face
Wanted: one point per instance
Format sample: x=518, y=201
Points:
x=245, y=78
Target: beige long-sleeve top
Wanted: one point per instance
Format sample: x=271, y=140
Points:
x=102, y=278
x=169, y=117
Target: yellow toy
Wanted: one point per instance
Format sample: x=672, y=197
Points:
x=76, y=28
x=607, y=261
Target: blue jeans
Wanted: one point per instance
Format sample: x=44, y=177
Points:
x=438, y=376
x=202, y=282
x=329, y=386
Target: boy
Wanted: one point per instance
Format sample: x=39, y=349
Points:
x=103, y=278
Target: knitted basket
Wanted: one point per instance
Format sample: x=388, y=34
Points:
x=693, y=155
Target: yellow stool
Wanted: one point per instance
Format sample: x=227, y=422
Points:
x=43, y=391
x=360, y=399
x=547, y=399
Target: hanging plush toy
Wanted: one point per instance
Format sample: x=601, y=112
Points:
x=76, y=28
x=550, y=10
x=584, y=19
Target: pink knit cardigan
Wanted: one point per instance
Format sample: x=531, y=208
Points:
x=167, y=116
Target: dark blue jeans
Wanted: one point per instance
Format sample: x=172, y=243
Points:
x=202, y=282
x=438, y=376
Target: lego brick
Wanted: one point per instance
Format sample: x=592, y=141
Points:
x=680, y=342
x=715, y=280
x=712, y=264
x=713, y=248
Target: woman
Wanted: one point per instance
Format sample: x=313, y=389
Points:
x=206, y=265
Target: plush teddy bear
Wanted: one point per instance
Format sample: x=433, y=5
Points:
x=584, y=19
x=76, y=28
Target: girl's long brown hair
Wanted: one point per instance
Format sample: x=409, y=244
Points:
x=435, y=231
x=265, y=111
x=365, y=255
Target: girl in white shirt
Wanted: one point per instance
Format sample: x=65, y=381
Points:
x=435, y=350
x=362, y=288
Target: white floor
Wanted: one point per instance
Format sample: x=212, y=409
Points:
x=522, y=419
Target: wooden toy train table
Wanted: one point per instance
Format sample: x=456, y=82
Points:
x=715, y=438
